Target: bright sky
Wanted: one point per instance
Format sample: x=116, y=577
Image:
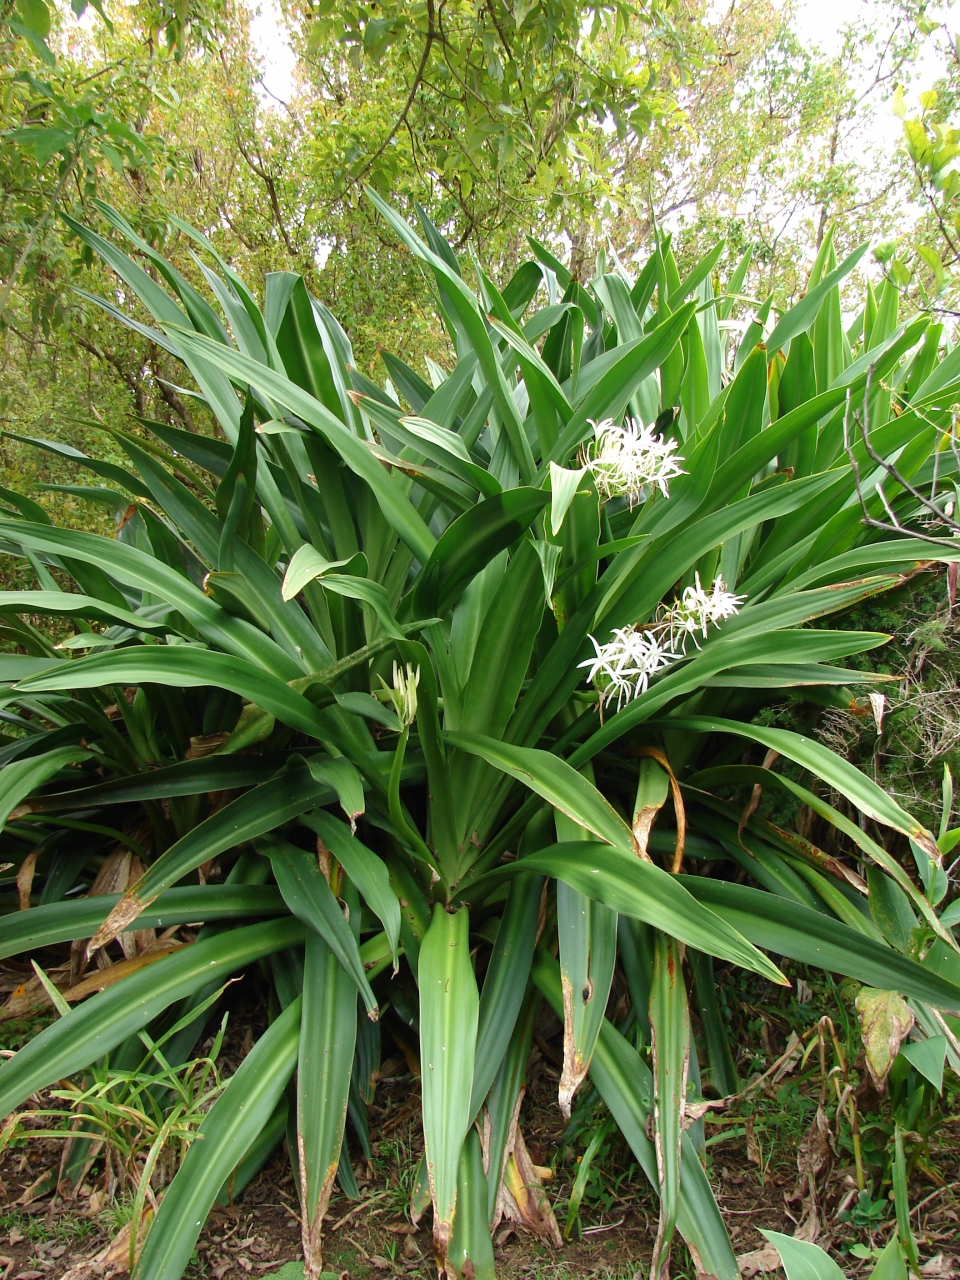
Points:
x=270, y=36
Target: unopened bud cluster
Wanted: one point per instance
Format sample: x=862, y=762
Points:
x=403, y=693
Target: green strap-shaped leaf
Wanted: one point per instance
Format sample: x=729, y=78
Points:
x=860, y=790
x=343, y=777
x=800, y=317
x=328, y=1033
x=108, y=470
x=563, y=489
x=471, y=1247
x=368, y=872
x=287, y=623
x=710, y=778
x=670, y=1045
x=722, y=1071
x=249, y=816
x=449, y=1005
x=443, y=829
x=310, y=898
x=791, y=929
x=729, y=650
x=904, y=555
x=430, y=440
x=63, y=602
x=471, y=542
x=505, y=982
x=736, y=471
x=187, y=778
x=587, y=932
x=145, y=572
x=635, y=590
x=308, y=565
x=20, y=777
x=803, y=1260
x=232, y=1126
x=588, y=953
x=55, y=922
x=633, y=887
x=393, y=503
x=501, y=1100
x=16, y=666
x=532, y=361
x=106, y=1019
x=474, y=326
x=555, y=780
x=185, y=666
x=492, y=638
x=630, y=364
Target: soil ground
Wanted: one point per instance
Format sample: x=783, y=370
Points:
x=752, y=1167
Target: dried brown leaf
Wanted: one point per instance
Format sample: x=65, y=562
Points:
x=885, y=1021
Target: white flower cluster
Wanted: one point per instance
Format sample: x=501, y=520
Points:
x=623, y=666
x=626, y=663
x=697, y=608
x=629, y=459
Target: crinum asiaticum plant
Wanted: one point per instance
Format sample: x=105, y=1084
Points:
x=442, y=696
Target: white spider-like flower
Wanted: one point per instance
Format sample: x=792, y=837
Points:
x=629, y=459
x=698, y=608
x=624, y=665
x=626, y=662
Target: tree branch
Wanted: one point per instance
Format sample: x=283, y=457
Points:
x=414, y=90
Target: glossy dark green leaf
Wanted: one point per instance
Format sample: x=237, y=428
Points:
x=793, y=930
x=471, y=542
x=43, y=926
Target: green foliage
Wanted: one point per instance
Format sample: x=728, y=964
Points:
x=504, y=97
x=366, y=613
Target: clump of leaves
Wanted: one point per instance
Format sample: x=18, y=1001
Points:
x=341, y=656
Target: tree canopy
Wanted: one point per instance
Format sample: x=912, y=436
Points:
x=601, y=125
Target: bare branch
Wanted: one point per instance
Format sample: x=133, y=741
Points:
x=893, y=524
